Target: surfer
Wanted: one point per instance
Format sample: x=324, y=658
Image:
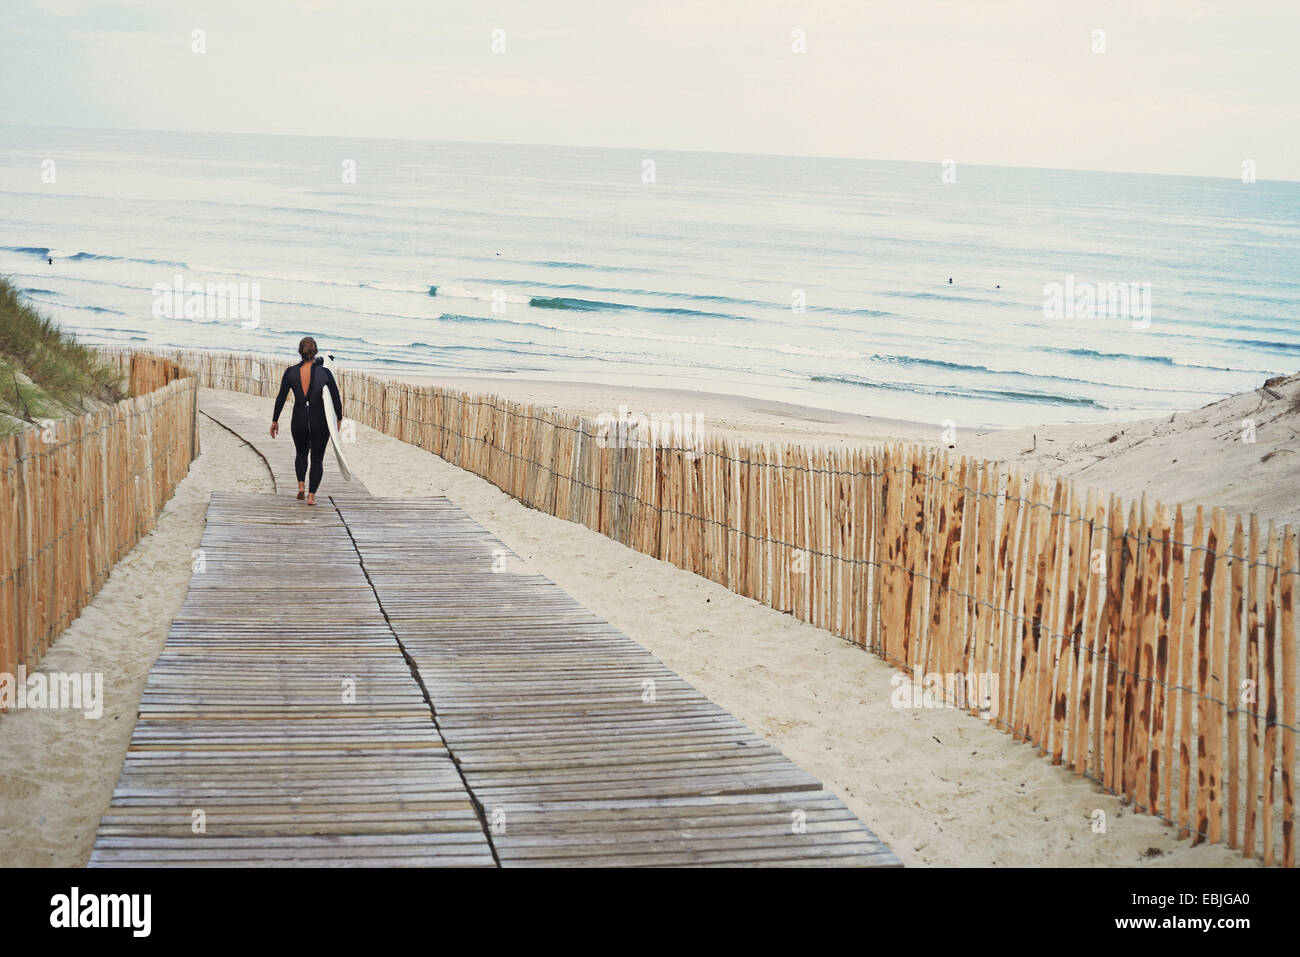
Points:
x=307, y=381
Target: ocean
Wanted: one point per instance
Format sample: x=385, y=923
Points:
x=823, y=282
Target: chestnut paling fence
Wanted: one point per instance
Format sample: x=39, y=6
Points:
x=1149, y=648
x=75, y=496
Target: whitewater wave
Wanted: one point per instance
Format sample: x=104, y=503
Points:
x=599, y=305
x=573, y=304
x=1002, y=395
x=460, y=292
x=1265, y=344
x=1168, y=361
x=65, y=304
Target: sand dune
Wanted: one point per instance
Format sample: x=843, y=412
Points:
x=1240, y=454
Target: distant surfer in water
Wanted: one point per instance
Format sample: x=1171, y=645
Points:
x=307, y=379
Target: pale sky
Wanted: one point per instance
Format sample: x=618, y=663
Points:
x=1182, y=87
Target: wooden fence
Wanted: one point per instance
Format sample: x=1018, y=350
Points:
x=77, y=494
x=1151, y=649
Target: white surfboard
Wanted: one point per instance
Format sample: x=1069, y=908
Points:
x=333, y=422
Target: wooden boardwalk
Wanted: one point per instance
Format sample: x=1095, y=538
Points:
x=382, y=682
x=281, y=724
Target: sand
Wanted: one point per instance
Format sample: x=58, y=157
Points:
x=1240, y=454
x=732, y=414
x=942, y=788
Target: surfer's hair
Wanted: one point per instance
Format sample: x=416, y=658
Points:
x=307, y=348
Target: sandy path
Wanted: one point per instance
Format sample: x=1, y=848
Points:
x=939, y=786
x=58, y=768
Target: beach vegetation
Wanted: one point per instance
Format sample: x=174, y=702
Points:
x=45, y=373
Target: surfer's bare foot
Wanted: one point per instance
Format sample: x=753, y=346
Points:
x=302, y=493
x=311, y=498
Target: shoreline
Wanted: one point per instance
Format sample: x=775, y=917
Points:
x=723, y=412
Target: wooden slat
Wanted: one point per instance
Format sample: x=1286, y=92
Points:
x=1120, y=572
x=1046, y=608
x=1131, y=647
x=1232, y=690
x=1154, y=663
x=1175, y=657
x=1092, y=570
x=1272, y=679
x=1289, y=572
x=1010, y=548
x=1189, y=677
x=1254, y=720
x=1204, y=706
x=1220, y=595
x=1024, y=609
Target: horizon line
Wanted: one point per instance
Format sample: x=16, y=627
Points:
x=822, y=156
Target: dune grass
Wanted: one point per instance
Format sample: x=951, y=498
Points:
x=44, y=372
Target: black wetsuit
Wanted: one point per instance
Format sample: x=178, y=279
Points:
x=310, y=431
